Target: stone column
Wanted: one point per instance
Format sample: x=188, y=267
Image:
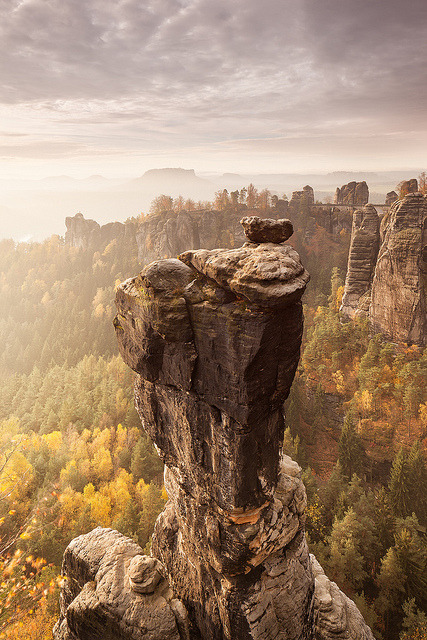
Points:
x=215, y=337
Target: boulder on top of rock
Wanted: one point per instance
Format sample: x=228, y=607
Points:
x=267, y=230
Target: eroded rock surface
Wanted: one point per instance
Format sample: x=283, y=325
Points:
x=84, y=233
x=99, y=600
x=398, y=305
x=214, y=338
x=265, y=230
x=365, y=242
x=353, y=193
x=336, y=617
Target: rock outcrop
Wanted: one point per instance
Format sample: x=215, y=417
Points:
x=365, y=243
x=168, y=234
x=387, y=270
x=88, y=234
x=391, y=197
x=408, y=186
x=214, y=338
x=80, y=231
x=301, y=199
x=398, y=305
x=353, y=193
x=113, y=591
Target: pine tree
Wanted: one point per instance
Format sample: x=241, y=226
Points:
x=351, y=454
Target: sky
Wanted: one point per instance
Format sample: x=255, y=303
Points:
x=117, y=87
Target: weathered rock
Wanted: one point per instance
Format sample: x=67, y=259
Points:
x=408, y=186
x=79, y=231
x=353, y=193
x=398, y=300
x=267, y=275
x=99, y=600
x=266, y=230
x=336, y=617
x=391, y=197
x=168, y=234
x=85, y=234
x=301, y=199
x=365, y=242
x=215, y=339
x=144, y=574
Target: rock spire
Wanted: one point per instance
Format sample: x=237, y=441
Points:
x=214, y=338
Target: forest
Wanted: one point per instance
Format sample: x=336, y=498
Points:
x=73, y=455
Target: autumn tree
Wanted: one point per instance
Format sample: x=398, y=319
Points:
x=161, y=203
x=251, y=196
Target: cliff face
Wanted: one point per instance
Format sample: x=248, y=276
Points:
x=167, y=234
x=365, y=241
x=389, y=284
x=83, y=234
x=398, y=306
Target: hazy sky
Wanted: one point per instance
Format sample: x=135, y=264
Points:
x=120, y=86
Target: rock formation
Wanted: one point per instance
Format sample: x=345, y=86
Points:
x=398, y=305
x=389, y=284
x=391, y=197
x=353, y=193
x=365, y=242
x=102, y=598
x=80, y=231
x=214, y=338
x=168, y=234
x=84, y=234
x=302, y=198
x=408, y=186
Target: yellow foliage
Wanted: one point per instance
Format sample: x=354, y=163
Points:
x=53, y=440
x=338, y=378
x=339, y=295
x=102, y=464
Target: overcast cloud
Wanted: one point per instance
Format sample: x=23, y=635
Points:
x=304, y=84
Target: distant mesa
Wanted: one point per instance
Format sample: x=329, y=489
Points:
x=177, y=172
x=173, y=181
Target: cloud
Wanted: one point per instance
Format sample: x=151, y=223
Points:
x=185, y=72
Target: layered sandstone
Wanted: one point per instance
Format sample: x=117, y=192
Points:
x=353, y=193
x=214, y=339
x=398, y=305
x=364, y=246
x=101, y=599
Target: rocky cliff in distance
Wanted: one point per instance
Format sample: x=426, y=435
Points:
x=353, y=193
x=83, y=234
x=398, y=305
x=387, y=270
x=364, y=246
x=214, y=338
